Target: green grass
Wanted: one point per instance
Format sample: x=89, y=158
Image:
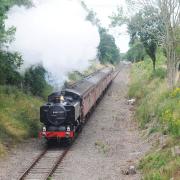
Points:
x=19, y=116
x=160, y=165
x=157, y=110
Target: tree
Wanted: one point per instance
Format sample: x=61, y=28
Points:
x=107, y=49
x=136, y=52
x=142, y=26
x=35, y=80
x=169, y=11
x=9, y=64
x=6, y=36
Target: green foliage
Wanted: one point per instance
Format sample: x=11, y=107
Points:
x=155, y=160
x=159, y=165
x=136, y=52
x=157, y=111
x=108, y=52
x=107, y=49
x=76, y=76
x=73, y=77
x=19, y=116
x=9, y=63
x=145, y=26
x=6, y=36
x=155, y=101
x=101, y=146
x=35, y=81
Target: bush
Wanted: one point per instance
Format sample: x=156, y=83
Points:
x=19, y=116
x=157, y=109
x=35, y=81
x=159, y=165
x=9, y=64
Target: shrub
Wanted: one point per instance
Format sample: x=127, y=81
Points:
x=160, y=107
x=35, y=81
x=19, y=116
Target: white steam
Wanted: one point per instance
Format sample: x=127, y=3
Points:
x=56, y=34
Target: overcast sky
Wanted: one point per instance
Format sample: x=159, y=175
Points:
x=105, y=8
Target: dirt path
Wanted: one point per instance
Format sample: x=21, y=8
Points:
x=109, y=143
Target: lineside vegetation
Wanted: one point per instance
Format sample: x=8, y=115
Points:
x=19, y=117
x=157, y=111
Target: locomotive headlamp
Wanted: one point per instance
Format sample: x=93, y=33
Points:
x=61, y=98
x=44, y=129
x=68, y=128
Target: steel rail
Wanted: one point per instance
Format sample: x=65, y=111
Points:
x=117, y=72
x=55, y=166
x=51, y=170
x=22, y=177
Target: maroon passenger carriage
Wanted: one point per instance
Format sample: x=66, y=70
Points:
x=66, y=111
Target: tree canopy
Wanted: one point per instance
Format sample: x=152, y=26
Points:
x=34, y=79
x=108, y=52
x=136, y=52
x=142, y=26
x=107, y=49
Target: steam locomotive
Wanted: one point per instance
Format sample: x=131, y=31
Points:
x=66, y=111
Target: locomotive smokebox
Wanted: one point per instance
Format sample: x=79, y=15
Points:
x=54, y=114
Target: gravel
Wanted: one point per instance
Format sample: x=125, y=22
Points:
x=19, y=158
x=109, y=144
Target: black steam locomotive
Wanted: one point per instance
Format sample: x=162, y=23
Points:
x=66, y=111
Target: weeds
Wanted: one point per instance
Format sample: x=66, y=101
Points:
x=161, y=107
x=101, y=147
x=19, y=116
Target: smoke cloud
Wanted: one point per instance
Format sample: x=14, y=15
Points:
x=55, y=34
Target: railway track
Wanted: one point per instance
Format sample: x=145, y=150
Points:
x=45, y=165
x=116, y=73
x=47, y=162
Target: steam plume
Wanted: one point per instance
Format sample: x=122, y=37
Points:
x=54, y=33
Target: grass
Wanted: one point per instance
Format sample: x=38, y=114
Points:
x=160, y=165
x=157, y=110
x=102, y=147
x=19, y=117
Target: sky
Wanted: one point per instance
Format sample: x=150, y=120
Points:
x=104, y=9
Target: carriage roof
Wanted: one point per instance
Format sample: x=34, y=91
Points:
x=89, y=82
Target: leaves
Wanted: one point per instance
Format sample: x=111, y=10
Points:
x=35, y=80
x=107, y=49
x=118, y=19
x=136, y=52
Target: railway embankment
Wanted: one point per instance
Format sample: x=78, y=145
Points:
x=157, y=111
x=19, y=117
